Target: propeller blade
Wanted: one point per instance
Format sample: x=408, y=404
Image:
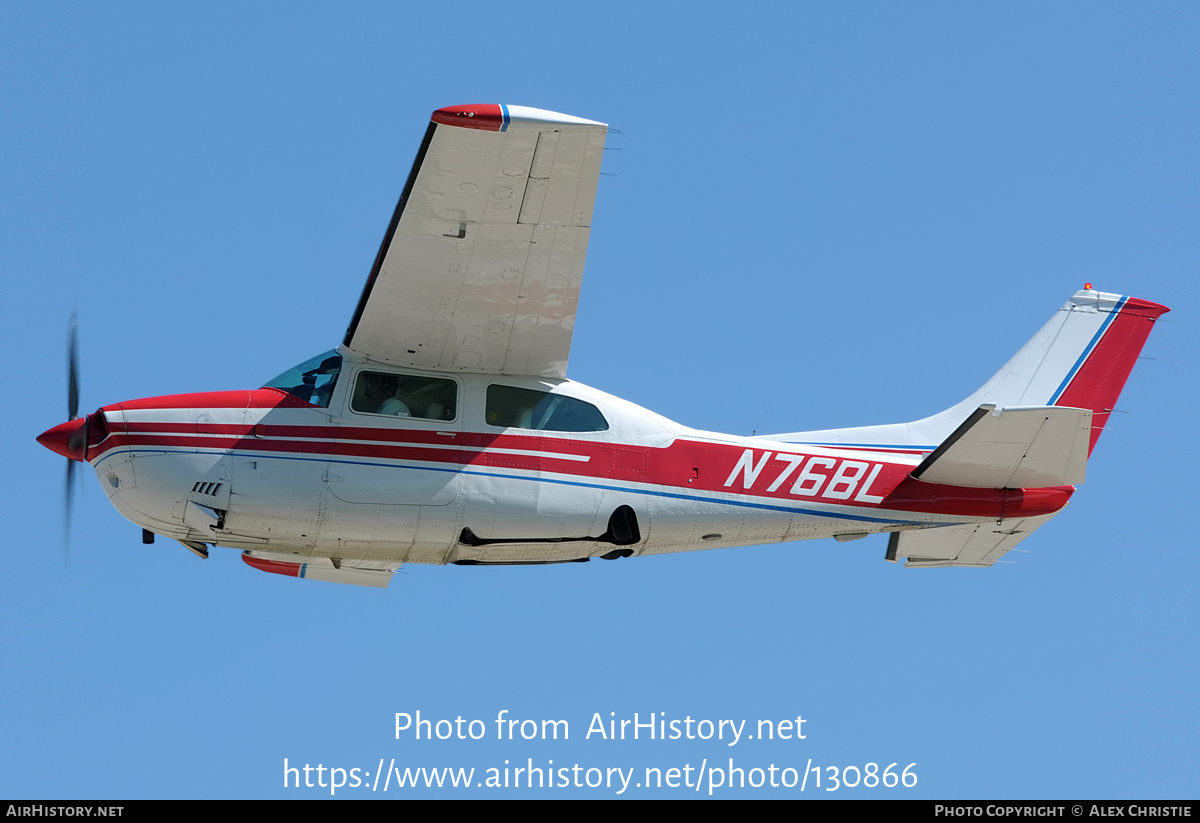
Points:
x=68, y=500
x=72, y=368
x=72, y=413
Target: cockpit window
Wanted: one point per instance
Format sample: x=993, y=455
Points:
x=405, y=395
x=516, y=408
x=312, y=381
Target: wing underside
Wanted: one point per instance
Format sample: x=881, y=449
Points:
x=481, y=266
x=374, y=573
x=970, y=544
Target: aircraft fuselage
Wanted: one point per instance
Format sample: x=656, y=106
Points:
x=262, y=470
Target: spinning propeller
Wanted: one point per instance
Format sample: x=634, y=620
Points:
x=78, y=436
x=69, y=439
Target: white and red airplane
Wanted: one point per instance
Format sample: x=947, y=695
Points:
x=444, y=430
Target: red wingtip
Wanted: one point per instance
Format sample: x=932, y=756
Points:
x=487, y=116
x=273, y=566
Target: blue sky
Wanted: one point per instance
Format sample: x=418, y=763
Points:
x=852, y=213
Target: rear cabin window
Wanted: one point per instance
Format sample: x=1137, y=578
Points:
x=516, y=408
x=405, y=395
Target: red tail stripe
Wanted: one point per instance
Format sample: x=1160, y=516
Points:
x=1099, y=381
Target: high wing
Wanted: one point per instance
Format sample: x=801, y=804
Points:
x=481, y=265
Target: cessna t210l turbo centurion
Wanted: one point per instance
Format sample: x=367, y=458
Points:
x=443, y=428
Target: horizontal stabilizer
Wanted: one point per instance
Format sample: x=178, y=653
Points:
x=373, y=573
x=1013, y=448
x=971, y=544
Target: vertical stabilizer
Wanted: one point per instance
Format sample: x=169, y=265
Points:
x=1080, y=359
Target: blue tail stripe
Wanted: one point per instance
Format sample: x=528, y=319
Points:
x=1086, y=352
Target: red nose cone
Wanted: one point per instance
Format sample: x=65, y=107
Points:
x=68, y=439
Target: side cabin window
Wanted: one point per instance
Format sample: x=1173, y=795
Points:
x=405, y=395
x=313, y=380
x=516, y=408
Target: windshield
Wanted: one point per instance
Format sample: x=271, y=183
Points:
x=312, y=381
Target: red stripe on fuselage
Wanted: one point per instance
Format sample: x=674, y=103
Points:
x=792, y=475
x=690, y=465
x=264, y=398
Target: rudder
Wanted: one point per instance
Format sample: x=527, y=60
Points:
x=1096, y=379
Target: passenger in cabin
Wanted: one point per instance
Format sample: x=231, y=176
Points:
x=395, y=406
x=382, y=395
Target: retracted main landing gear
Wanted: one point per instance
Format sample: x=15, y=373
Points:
x=622, y=530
